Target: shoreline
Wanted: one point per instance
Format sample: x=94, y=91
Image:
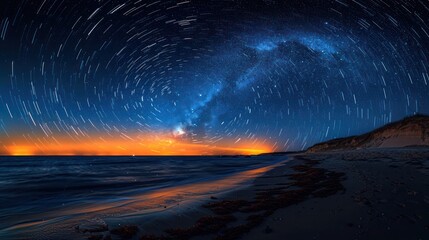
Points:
x=312, y=196
x=255, y=203
x=359, y=194
x=83, y=220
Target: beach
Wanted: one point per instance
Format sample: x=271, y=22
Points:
x=362, y=194
x=385, y=196
x=359, y=194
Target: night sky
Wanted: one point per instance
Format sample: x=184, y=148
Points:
x=205, y=76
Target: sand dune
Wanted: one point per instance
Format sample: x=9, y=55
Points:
x=411, y=131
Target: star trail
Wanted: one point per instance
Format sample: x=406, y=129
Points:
x=205, y=77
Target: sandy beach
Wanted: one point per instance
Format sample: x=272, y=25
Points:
x=386, y=196
x=361, y=194
x=358, y=194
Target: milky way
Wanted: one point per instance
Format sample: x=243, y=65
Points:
x=279, y=74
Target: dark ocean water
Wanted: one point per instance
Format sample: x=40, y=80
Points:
x=32, y=186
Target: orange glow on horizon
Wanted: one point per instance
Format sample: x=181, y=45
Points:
x=149, y=145
x=21, y=150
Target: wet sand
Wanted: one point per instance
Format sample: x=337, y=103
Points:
x=363, y=194
x=386, y=197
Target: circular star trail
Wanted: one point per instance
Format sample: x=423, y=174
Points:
x=206, y=77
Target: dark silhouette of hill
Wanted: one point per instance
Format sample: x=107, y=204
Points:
x=410, y=131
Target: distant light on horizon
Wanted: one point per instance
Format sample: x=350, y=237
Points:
x=156, y=145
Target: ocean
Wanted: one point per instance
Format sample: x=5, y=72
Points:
x=41, y=192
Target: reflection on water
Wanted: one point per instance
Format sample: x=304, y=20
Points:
x=112, y=187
